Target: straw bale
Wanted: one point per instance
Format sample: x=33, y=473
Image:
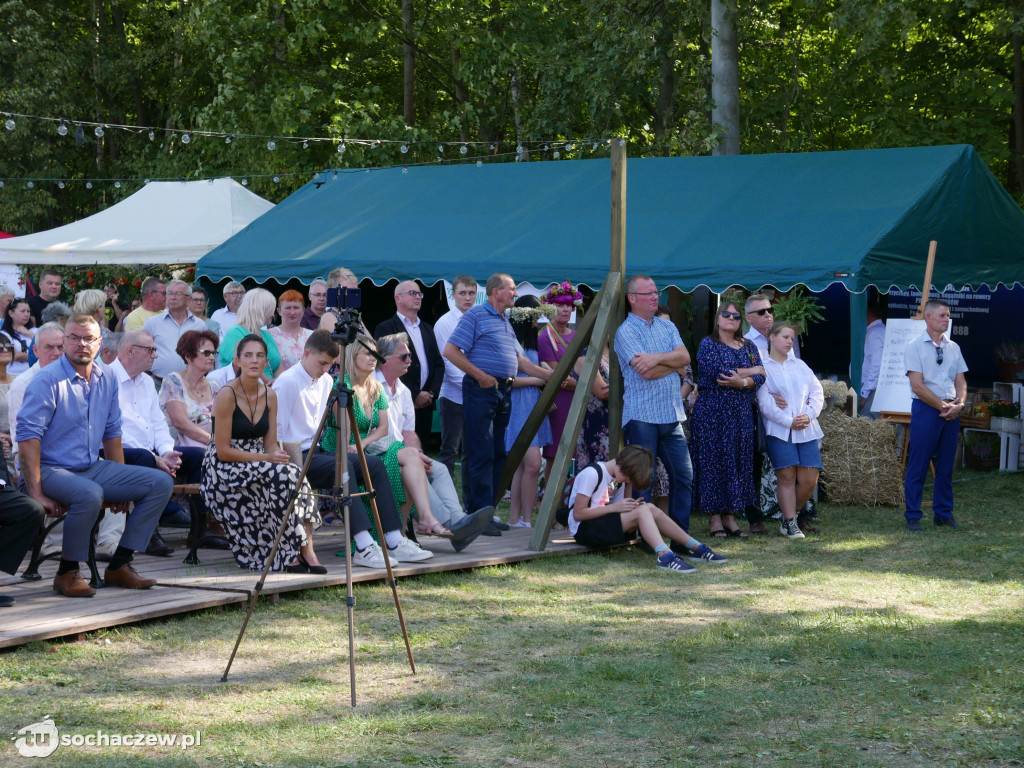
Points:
x=858, y=455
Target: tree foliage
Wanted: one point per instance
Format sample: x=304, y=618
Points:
x=814, y=75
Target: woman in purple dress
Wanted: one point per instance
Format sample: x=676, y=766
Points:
x=552, y=343
x=729, y=371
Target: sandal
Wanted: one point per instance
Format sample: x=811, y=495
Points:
x=735, y=533
x=718, y=533
x=435, y=530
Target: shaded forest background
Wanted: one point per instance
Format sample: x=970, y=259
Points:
x=814, y=75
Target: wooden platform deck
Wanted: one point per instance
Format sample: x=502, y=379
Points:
x=40, y=614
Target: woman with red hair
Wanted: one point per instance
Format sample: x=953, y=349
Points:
x=290, y=335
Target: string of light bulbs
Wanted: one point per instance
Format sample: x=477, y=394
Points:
x=64, y=127
x=63, y=183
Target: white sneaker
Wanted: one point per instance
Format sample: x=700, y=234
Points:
x=521, y=524
x=408, y=551
x=371, y=557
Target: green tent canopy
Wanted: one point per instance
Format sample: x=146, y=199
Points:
x=859, y=218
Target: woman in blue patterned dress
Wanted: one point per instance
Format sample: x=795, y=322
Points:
x=525, y=393
x=729, y=371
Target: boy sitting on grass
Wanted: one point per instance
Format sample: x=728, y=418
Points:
x=601, y=516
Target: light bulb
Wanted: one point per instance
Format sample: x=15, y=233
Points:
x=405, y=170
x=375, y=144
x=186, y=137
x=98, y=131
x=152, y=134
x=341, y=146
x=463, y=149
x=557, y=154
x=305, y=143
x=405, y=148
x=88, y=185
x=62, y=129
x=9, y=124
x=117, y=185
x=568, y=147
x=145, y=181
x=440, y=149
x=277, y=179
x=493, y=147
x=31, y=185
x=622, y=142
x=245, y=182
x=595, y=145
x=228, y=139
x=1, y=183
x=60, y=185
x=479, y=163
x=271, y=145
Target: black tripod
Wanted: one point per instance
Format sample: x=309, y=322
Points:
x=341, y=397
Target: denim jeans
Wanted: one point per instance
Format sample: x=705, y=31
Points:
x=932, y=441
x=486, y=413
x=668, y=443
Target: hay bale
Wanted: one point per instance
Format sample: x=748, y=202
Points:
x=858, y=454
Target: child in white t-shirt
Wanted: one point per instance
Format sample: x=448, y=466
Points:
x=601, y=516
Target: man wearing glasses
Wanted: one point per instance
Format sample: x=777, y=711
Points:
x=226, y=317
x=426, y=371
x=317, y=304
x=168, y=326
x=652, y=357
x=154, y=298
x=938, y=387
x=70, y=411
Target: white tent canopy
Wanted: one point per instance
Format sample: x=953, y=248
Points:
x=165, y=222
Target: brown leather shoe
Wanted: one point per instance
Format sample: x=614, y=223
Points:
x=71, y=584
x=758, y=528
x=127, y=577
x=806, y=527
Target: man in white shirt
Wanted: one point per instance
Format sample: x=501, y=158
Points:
x=227, y=316
x=168, y=326
x=449, y=402
x=444, y=500
x=145, y=438
x=302, y=396
x=874, y=340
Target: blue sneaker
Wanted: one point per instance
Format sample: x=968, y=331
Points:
x=675, y=563
x=703, y=553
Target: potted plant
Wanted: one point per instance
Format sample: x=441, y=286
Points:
x=981, y=450
x=1009, y=357
x=1005, y=416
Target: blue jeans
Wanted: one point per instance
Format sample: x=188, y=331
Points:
x=668, y=443
x=932, y=439
x=486, y=413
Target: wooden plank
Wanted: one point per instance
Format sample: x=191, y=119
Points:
x=609, y=295
x=617, y=264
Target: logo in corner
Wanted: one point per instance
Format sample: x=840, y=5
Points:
x=38, y=739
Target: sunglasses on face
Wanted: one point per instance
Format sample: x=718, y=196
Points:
x=404, y=358
x=730, y=315
x=207, y=352
x=761, y=312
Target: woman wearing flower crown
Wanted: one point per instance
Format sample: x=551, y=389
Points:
x=552, y=343
x=525, y=392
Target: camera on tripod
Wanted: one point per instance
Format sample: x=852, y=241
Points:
x=344, y=303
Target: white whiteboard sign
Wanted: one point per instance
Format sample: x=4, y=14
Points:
x=893, y=390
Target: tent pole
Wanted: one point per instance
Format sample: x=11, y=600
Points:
x=926, y=288
x=618, y=264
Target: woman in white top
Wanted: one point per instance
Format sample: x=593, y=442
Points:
x=790, y=402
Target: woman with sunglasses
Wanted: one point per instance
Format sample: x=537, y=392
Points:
x=186, y=396
x=6, y=357
x=793, y=431
x=729, y=371
x=16, y=327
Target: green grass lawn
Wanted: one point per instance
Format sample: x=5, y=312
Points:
x=860, y=646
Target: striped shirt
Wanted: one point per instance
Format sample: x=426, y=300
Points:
x=488, y=341
x=652, y=401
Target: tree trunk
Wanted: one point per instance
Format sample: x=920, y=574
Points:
x=461, y=94
x=665, y=42
x=725, y=89
x=516, y=95
x=1015, y=180
x=409, y=82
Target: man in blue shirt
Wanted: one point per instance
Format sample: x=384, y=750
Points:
x=652, y=356
x=484, y=347
x=938, y=387
x=70, y=410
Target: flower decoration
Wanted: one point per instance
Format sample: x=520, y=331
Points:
x=532, y=314
x=562, y=293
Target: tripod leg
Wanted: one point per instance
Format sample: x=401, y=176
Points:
x=380, y=531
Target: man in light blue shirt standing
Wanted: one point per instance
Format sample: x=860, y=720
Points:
x=938, y=387
x=652, y=357
x=70, y=411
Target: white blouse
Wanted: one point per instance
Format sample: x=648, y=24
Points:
x=801, y=390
